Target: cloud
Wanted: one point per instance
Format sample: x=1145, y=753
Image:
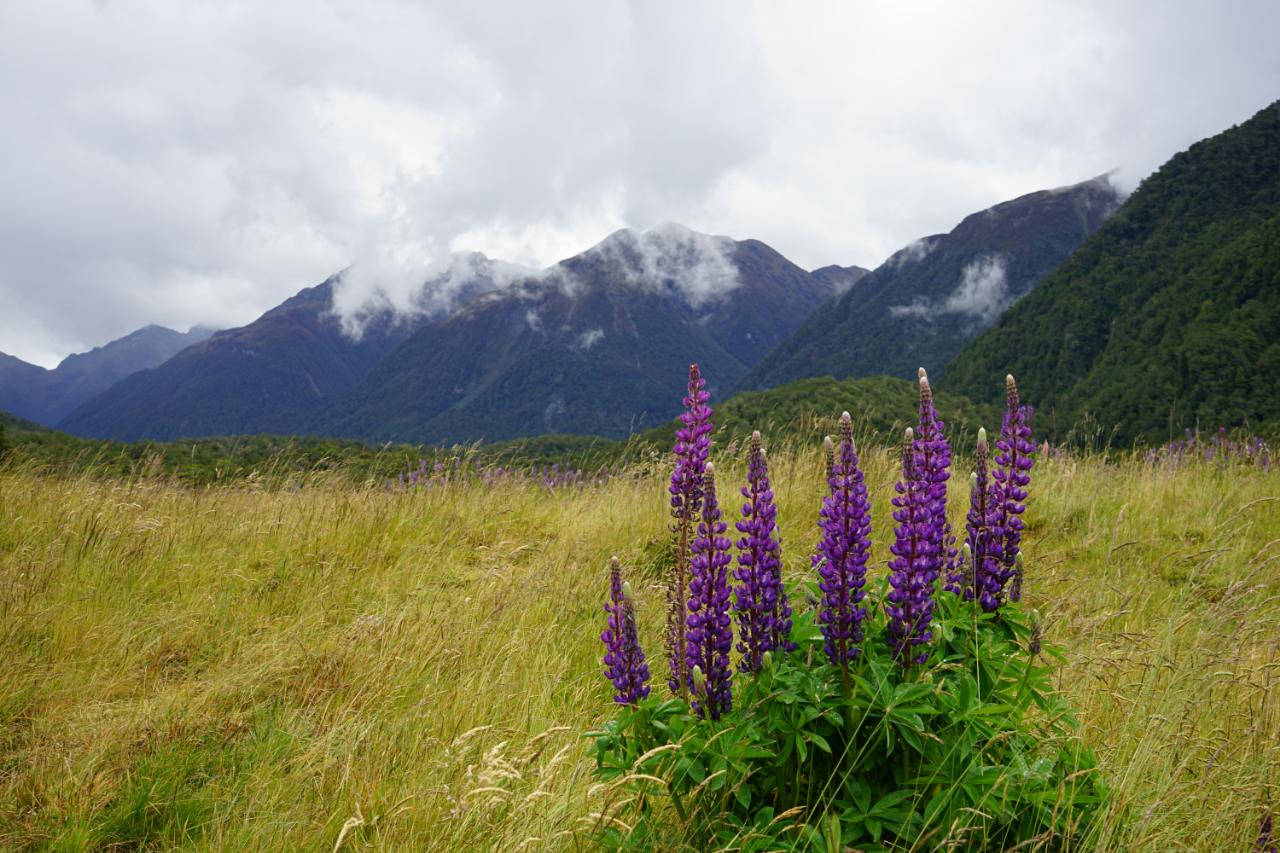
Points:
x=198, y=163
x=916, y=250
x=699, y=266
x=918, y=307
x=533, y=320
x=590, y=338
x=983, y=293
x=408, y=289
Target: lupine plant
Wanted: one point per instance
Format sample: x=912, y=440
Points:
x=1221, y=448
x=981, y=576
x=760, y=600
x=624, y=660
x=917, y=557
x=691, y=450
x=842, y=554
x=1012, y=475
x=934, y=454
x=934, y=726
x=710, y=629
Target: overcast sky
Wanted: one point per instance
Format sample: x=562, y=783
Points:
x=190, y=162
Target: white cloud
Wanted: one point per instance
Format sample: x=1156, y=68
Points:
x=916, y=250
x=417, y=287
x=917, y=308
x=590, y=338
x=189, y=163
x=700, y=266
x=983, y=291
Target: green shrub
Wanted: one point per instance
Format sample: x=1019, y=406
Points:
x=972, y=750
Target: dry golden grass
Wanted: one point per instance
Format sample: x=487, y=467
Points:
x=331, y=667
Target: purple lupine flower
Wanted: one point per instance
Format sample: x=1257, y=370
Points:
x=982, y=573
x=710, y=630
x=760, y=601
x=841, y=560
x=624, y=660
x=692, y=447
x=1014, y=458
x=934, y=456
x=917, y=558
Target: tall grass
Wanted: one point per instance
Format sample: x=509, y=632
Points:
x=258, y=667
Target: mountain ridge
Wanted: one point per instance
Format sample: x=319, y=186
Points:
x=46, y=396
x=591, y=346
x=937, y=291
x=1169, y=316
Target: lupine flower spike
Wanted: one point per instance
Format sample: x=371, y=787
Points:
x=1012, y=475
x=760, y=601
x=985, y=578
x=1036, y=639
x=710, y=629
x=692, y=446
x=917, y=557
x=624, y=660
x=843, y=551
x=934, y=455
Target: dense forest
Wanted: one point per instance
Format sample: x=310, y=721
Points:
x=1169, y=316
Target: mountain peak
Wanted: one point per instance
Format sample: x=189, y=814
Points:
x=670, y=256
x=47, y=397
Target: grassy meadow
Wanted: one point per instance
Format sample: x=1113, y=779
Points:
x=312, y=665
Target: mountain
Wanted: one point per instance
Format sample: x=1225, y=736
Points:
x=592, y=345
x=19, y=382
x=1169, y=316
x=274, y=375
x=921, y=305
x=46, y=396
x=840, y=278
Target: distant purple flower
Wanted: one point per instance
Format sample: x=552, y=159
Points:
x=1220, y=449
x=760, y=601
x=692, y=447
x=841, y=559
x=1014, y=458
x=624, y=660
x=917, y=560
x=1266, y=842
x=982, y=574
x=710, y=629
